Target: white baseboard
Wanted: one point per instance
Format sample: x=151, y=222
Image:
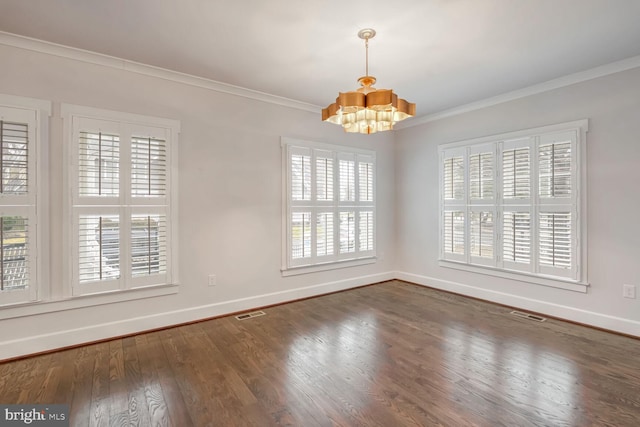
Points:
x=60, y=339
x=591, y=318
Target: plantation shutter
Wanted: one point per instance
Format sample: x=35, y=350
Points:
x=365, y=172
x=98, y=164
x=516, y=173
x=453, y=181
x=148, y=167
x=121, y=179
x=481, y=234
x=324, y=176
x=366, y=231
x=513, y=204
x=14, y=154
x=324, y=233
x=148, y=244
x=98, y=247
x=300, y=177
x=18, y=281
x=516, y=240
x=300, y=235
x=454, y=233
x=330, y=205
x=14, y=253
x=481, y=173
x=555, y=166
x=347, y=180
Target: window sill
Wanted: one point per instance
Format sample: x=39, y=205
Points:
x=554, y=282
x=304, y=269
x=83, y=301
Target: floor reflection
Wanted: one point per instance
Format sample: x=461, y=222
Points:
x=524, y=374
x=350, y=352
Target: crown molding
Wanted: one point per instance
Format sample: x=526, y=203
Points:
x=570, y=79
x=86, y=56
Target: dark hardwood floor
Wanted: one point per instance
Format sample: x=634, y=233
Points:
x=391, y=354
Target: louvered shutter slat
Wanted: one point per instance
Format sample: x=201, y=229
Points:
x=481, y=234
x=555, y=239
x=481, y=176
x=14, y=253
x=366, y=231
x=14, y=157
x=366, y=181
x=324, y=178
x=347, y=180
x=98, y=164
x=98, y=247
x=324, y=233
x=516, y=237
x=555, y=169
x=516, y=174
x=300, y=235
x=148, y=167
x=148, y=245
x=347, y=232
x=300, y=177
x=454, y=232
x=453, y=178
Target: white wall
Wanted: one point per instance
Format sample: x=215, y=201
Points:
x=229, y=199
x=612, y=105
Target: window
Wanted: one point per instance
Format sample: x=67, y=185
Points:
x=330, y=204
x=19, y=238
x=511, y=203
x=121, y=183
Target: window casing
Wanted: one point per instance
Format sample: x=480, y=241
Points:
x=121, y=234
x=20, y=242
x=329, y=205
x=513, y=204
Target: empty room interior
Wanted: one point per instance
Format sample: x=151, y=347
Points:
x=416, y=213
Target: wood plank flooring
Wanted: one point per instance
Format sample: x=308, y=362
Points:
x=391, y=354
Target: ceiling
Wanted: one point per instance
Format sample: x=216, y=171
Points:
x=439, y=54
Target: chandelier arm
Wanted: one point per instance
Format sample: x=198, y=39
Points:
x=366, y=47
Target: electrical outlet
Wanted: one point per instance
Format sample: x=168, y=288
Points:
x=629, y=291
x=212, y=280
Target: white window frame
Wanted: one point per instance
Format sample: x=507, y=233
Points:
x=575, y=278
x=314, y=262
x=124, y=205
x=35, y=113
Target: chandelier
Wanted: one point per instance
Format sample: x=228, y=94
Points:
x=367, y=109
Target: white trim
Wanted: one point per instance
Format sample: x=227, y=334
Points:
x=560, y=82
x=520, y=276
x=94, y=58
x=582, y=124
x=55, y=340
x=333, y=265
x=24, y=102
x=82, y=301
x=598, y=320
x=82, y=55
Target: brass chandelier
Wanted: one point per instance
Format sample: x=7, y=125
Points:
x=367, y=109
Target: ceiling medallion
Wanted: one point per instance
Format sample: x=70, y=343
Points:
x=367, y=109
